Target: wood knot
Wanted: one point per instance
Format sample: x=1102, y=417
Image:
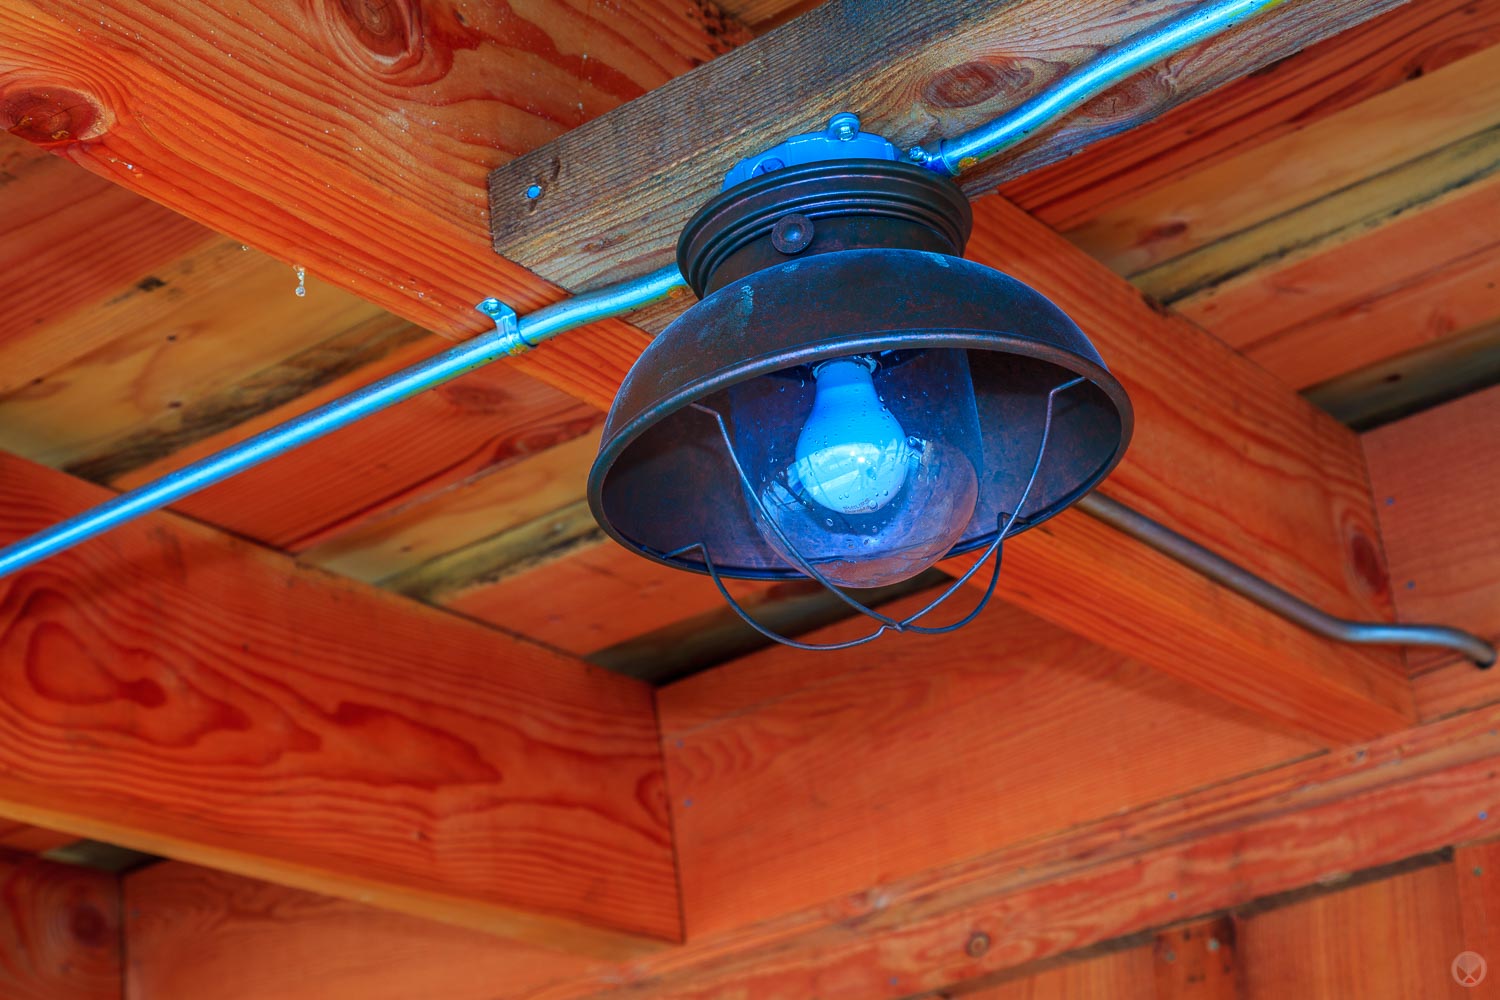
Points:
x=385, y=33
x=52, y=116
x=88, y=926
x=971, y=83
x=1366, y=563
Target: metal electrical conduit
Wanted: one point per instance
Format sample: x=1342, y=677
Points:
x=513, y=336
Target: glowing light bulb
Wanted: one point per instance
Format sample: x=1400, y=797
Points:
x=852, y=456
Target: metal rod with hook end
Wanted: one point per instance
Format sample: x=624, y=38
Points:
x=1235, y=577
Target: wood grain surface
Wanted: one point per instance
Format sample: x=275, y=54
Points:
x=783, y=769
x=1309, y=823
x=1296, y=169
x=197, y=933
x=350, y=139
x=617, y=190
x=1385, y=940
x=72, y=242
x=60, y=932
x=179, y=692
x=1434, y=478
x=1406, y=43
x=1414, y=280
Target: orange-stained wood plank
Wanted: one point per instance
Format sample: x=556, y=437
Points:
x=1291, y=827
x=1270, y=179
x=199, y=933
x=351, y=139
x=180, y=692
x=173, y=355
x=1476, y=872
x=1416, y=279
x=60, y=933
x=1119, y=975
x=442, y=522
x=1389, y=321
x=435, y=440
x=1410, y=41
x=593, y=597
x=70, y=242
x=1391, y=939
x=784, y=769
x=1435, y=477
x=31, y=839
x=1266, y=480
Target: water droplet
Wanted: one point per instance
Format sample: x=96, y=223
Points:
x=301, y=280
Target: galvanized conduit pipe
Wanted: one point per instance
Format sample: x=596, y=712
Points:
x=513, y=336
x=510, y=336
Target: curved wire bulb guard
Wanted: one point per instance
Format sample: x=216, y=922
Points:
x=887, y=623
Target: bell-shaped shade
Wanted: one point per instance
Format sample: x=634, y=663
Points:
x=687, y=447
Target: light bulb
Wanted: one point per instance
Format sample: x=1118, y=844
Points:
x=867, y=473
x=852, y=456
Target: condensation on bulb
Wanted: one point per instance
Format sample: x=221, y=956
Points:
x=852, y=456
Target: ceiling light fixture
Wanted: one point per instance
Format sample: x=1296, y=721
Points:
x=851, y=401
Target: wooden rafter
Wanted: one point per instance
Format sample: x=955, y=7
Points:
x=1384, y=53
x=177, y=691
x=1219, y=847
x=617, y=190
x=348, y=135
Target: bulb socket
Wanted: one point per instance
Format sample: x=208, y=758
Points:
x=848, y=204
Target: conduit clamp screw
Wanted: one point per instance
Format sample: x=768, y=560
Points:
x=506, y=325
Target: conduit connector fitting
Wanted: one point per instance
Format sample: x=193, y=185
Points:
x=507, y=326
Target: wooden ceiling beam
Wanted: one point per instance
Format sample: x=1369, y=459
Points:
x=350, y=139
x=1216, y=847
x=177, y=691
x=617, y=190
x=1229, y=456
x=164, y=342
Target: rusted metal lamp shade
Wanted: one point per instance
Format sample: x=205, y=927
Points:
x=815, y=263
